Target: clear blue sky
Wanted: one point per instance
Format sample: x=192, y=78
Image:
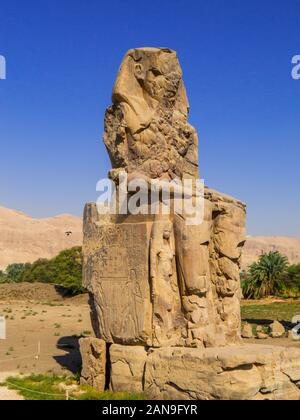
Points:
x=62, y=59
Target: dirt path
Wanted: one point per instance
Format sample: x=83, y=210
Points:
x=9, y=395
x=5, y=393
x=43, y=337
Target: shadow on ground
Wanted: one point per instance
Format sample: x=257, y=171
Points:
x=72, y=359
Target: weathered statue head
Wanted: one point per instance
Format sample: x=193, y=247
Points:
x=151, y=73
x=146, y=129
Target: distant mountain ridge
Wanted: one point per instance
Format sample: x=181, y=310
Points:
x=25, y=239
x=257, y=245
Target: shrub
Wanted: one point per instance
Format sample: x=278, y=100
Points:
x=64, y=270
x=265, y=277
x=293, y=277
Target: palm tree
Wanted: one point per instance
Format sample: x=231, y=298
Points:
x=266, y=277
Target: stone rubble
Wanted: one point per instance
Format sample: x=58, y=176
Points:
x=277, y=330
x=247, y=331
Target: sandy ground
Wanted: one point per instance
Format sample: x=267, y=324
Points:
x=5, y=393
x=43, y=337
x=9, y=395
x=281, y=342
x=269, y=300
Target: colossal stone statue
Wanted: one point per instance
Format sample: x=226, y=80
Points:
x=156, y=280
x=164, y=293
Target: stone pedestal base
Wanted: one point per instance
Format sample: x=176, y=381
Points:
x=250, y=372
x=93, y=353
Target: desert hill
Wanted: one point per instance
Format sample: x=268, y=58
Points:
x=25, y=239
x=256, y=245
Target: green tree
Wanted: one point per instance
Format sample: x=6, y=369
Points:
x=293, y=277
x=3, y=277
x=67, y=269
x=14, y=272
x=39, y=271
x=64, y=270
x=265, y=277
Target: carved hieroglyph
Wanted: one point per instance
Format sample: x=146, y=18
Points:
x=146, y=128
x=116, y=272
